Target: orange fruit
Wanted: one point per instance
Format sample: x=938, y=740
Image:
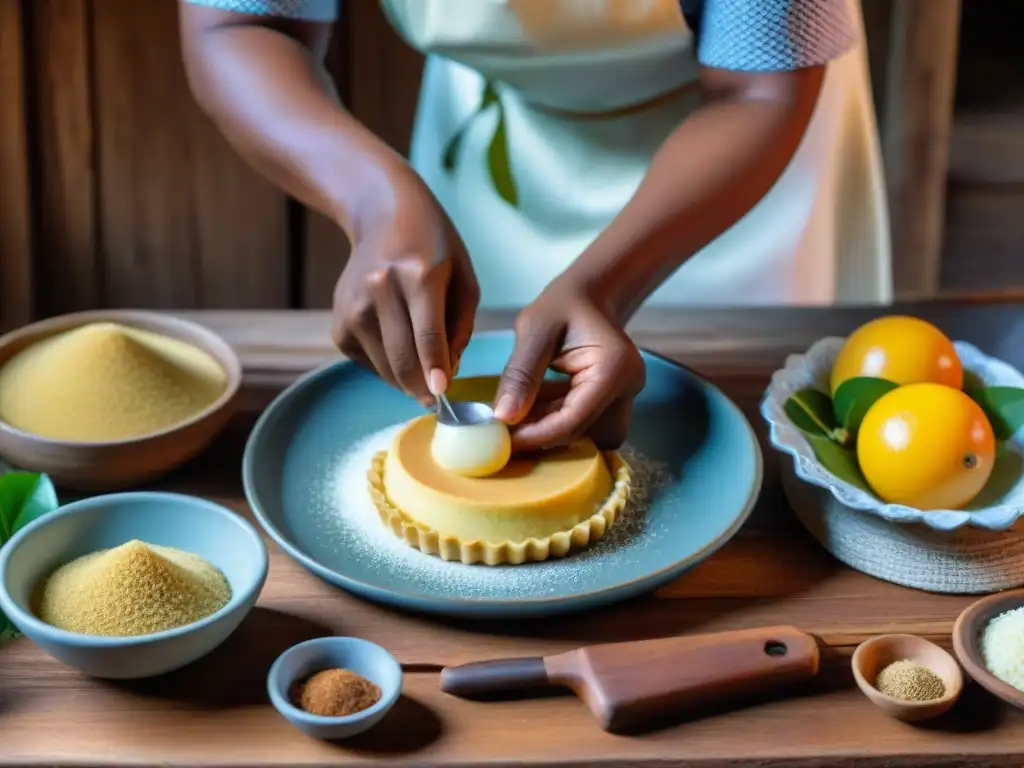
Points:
x=903, y=350
x=927, y=446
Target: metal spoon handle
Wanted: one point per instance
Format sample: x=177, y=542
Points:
x=448, y=406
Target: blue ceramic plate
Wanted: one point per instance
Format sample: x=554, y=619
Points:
x=305, y=468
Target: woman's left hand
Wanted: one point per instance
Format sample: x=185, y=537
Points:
x=566, y=330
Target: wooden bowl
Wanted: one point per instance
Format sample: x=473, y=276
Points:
x=967, y=642
x=104, y=466
x=874, y=655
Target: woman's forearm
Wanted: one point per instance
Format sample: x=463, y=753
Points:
x=270, y=95
x=705, y=177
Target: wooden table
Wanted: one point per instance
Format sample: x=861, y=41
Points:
x=216, y=712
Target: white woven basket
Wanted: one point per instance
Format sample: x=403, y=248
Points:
x=952, y=551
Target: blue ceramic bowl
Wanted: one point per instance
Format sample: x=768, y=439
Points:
x=361, y=656
x=166, y=519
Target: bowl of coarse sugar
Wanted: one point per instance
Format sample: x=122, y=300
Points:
x=132, y=585
x=988, y=639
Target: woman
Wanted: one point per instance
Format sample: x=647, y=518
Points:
x=590, y=155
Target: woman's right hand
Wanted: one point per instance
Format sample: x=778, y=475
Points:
x=406, y=300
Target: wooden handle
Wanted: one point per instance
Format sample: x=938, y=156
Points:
x=628, y=684
x=494, y=677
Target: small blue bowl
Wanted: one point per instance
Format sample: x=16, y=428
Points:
x=166, y=519
x=361, y=656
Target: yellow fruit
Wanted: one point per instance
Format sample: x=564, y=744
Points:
x=904, y=350
x=927, y=446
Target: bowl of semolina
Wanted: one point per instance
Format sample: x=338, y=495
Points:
x=106, y=400
x=132, y=585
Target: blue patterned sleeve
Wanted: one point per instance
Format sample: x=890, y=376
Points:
x=772, y=35
x=308, y=10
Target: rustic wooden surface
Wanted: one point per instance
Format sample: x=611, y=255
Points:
x=134, y=200
x=216, y=713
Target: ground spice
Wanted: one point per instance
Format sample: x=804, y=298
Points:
x=335, y=693
x=908, y=681
x=133, y=589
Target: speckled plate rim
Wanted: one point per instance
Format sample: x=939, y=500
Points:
x=487, y=607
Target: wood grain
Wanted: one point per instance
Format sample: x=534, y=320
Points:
x=632, y=686
x=325, y=248
x=384, y=75
x=67, y=257
x=16, y=283
x=378, y=79
x=984, y=220
x=915, y=136
x=184, y=222
x=215, y=713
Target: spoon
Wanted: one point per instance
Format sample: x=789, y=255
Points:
x=442, y=404
x=463, y=414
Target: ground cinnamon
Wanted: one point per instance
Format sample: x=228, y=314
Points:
x=335, y=693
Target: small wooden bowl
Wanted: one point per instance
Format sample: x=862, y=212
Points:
x=967, y=642
x=115, y=465
x=874, y=655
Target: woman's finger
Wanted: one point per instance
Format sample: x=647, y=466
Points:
x=581, y=407
x=372, y=350
x=524, y=373
x=399, y=343
x=461, y=306
x=430, y=333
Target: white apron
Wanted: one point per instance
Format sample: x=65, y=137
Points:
x=589, y=89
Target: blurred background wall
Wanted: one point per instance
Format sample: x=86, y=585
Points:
x=116, y=191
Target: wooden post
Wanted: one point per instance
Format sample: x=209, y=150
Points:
x=916, y=129
x=16, y=288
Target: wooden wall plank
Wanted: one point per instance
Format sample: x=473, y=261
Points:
x=988, y=132
x=67, y=259
x=378, y=76
x=16, y=284
x=984, y=239
x=878, y=30
x=385, y=76
x=184, y=222
x=916, y=131
x=325, y=248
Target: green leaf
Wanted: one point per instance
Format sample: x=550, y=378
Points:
x=499, y=165
x=24, y=497
x=811, y=411
x=855, y=396
x=1004, y=407
x=7, y=630
x=840, y=461
x=451, y=151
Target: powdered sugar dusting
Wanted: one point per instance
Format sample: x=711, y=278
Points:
x=347, y=519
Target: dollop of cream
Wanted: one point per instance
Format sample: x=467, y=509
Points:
x=472, y=451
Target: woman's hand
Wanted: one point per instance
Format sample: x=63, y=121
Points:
x=405, y=303
x=566, y=330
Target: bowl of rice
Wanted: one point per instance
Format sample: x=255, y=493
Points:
x=988, y=639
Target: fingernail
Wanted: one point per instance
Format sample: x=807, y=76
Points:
x=437, y=381
x=507, y=408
